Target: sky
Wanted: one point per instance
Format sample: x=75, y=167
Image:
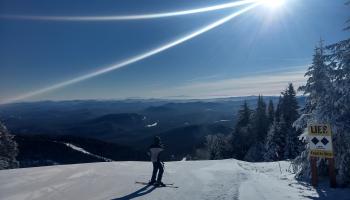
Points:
x=257, y=52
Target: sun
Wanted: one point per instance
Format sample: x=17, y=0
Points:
x=273, y=4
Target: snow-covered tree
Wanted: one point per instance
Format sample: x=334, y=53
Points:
x=289, y=105
x=282, y=139
x=8, y=149
x=317, y=89
x=217, y=146
x=339, y=59
x=328, y=101
x=275, y=142
x=289, y=113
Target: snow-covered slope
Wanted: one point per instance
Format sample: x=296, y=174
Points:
x=224, y=179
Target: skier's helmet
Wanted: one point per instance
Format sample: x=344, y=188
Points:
x=157, y=140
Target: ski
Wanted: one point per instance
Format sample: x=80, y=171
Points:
x=171, y=185
x=145, y=183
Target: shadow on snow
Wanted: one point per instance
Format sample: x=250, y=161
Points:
x=326, y=193
x=140, y=192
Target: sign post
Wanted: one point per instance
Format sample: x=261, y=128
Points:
x=331, y=168
x=320, y=141
x=314, y=178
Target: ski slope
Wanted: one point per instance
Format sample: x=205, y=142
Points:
x=224, y=179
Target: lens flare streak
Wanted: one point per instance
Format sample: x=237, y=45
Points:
x=129, y=17
x=135, y=58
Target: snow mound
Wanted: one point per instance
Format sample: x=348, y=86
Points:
x=224, y=179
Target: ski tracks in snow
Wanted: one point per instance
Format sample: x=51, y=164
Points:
x=197, y=180
x=219, y=181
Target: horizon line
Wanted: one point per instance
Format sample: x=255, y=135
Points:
x=145, y=98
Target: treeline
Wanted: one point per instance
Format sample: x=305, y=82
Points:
x=8, y=149
x=265, y=133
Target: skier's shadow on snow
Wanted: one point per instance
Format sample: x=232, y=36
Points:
x=140, y=192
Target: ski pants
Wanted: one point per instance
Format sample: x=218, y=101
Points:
x=157, y=166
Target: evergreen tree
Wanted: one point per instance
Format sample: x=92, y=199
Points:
x=217, y=146
x=255, y=152
x=275, y=142
x=318, y=87
x=270, y=112
x=293, y=146
x=278, y=110
x=289, y=114
x=259, y=126
x=260, y=120
x=243, y=116
x=338, y=108
x=319, y=106
x=8, y=149
x=241, y=139
x=282, y=140
x=289, y=105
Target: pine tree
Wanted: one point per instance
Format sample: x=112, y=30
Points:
x=8, y=149
x=243, y=116
x=339, y=111
x=318, y=87
x=278, y=110
x=289, y=113
x=270, y=113
x=260, y=121
x=275, y=142
x=282, y=139
x=289, y=105
x=241, y=139
x=217, y=146
x=320, y=92
x=328, y=101
x=293, y=145
x=259, y=125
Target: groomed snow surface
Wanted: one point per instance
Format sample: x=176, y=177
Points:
x=223, y=179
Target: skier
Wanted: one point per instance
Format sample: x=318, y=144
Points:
x=154, y=152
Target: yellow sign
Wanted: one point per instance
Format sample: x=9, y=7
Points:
x=323, y=154
x=320, y=140
x=320, y=129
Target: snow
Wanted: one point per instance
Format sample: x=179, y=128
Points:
x=223, y=179
x=152, y=125
x=72, y=146
x=222, y=120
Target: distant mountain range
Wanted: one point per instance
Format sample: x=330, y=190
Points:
x=123, y=126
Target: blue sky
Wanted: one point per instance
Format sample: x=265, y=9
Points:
x=259, y=51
